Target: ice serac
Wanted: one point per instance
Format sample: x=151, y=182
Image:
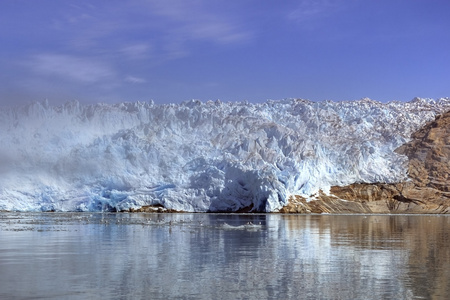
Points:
x=196, y=156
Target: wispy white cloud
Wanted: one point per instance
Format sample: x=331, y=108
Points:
x=84, y=48
x=199, y=20
x=153, y=29
x=137, y=51
x=133, y=79
x=314, y=10
x=72, y=68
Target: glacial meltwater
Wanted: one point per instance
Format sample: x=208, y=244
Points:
x=223, y=256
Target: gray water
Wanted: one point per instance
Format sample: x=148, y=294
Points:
x=223, y=256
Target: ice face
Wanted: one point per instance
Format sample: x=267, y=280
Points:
x=196, y=156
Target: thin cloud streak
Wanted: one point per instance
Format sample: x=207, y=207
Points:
x=169, y=26
x=198, y=21
x=311, y=14
x=308, y=10
x=137, y=51
x=71, y=68
x=133, y=79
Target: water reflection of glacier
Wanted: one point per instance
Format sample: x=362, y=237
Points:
x=197, y=156
x=193, y=256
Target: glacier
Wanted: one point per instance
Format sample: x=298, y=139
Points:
x=199, y=156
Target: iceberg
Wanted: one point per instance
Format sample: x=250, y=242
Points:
x=199, y=156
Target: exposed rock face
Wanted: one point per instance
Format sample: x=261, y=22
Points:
x=426, y=191
x=429, y=154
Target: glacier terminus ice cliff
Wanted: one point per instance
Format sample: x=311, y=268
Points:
x=207, y=156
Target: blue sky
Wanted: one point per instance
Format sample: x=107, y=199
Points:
x=171, y=51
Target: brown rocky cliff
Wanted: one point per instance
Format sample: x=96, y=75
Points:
x=426, y=191
x=429, y=154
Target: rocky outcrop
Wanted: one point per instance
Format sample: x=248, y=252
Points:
x=158, y=208
x=426, y=191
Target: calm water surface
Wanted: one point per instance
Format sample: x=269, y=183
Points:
x=223, y=256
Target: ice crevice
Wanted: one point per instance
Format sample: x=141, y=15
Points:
x=199, y=156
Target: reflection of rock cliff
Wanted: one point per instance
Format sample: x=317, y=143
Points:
x=426, y=191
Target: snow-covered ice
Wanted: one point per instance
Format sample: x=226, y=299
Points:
x=195, y=156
